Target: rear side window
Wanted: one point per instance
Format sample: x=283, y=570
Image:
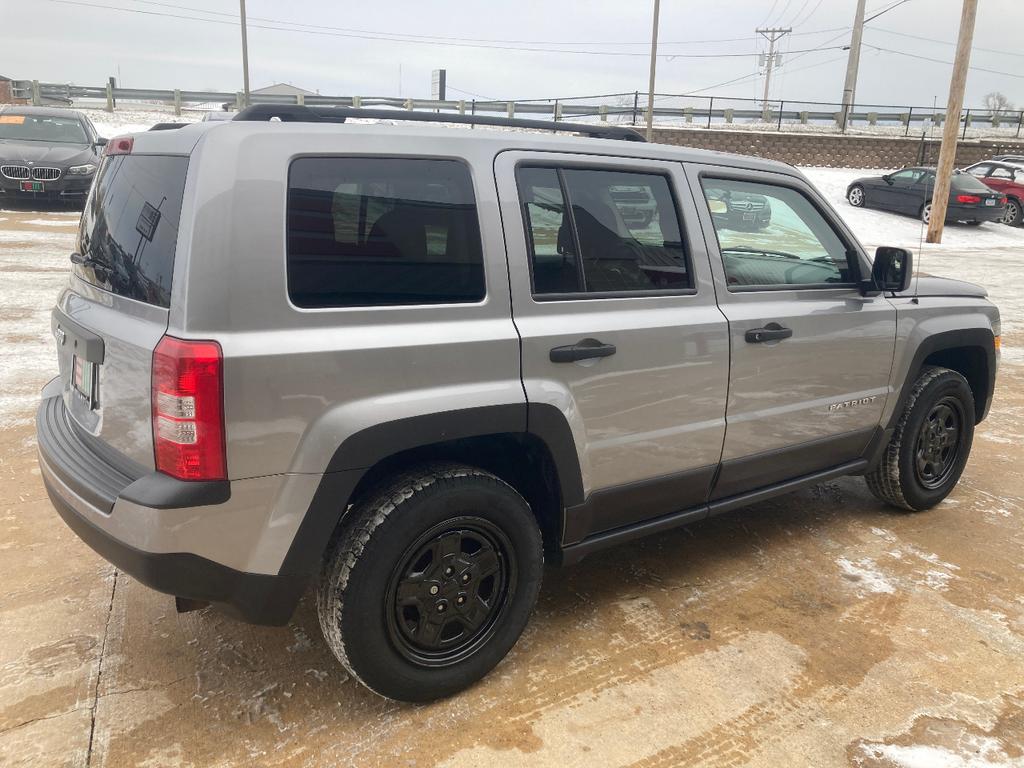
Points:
x=618, y=233
x=130, y=226
x=382, y=231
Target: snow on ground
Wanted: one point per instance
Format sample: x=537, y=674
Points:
x=110, y=124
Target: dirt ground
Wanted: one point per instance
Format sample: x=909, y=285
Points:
x=819, y=629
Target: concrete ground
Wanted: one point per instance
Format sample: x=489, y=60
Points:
x=819, y=629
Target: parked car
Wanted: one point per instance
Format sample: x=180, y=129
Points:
x=909, y=191
x=465, y=360
x=635, y=205
x=47, y=153
x=218, y=116
x=736, y=210
x=1008, y=179
x=1009, y=158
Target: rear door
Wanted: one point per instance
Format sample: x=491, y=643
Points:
x=810, y=356
x=619, y=326
x=110, y=318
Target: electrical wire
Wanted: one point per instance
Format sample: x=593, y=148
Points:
x=378, y=37
x=941, y=61
x=945, y=42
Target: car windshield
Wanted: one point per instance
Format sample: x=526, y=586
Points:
x=54, y=130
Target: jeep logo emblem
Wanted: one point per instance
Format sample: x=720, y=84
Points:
x=61, y=336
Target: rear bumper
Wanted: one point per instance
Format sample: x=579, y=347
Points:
x=974, y=213
x=90, y=492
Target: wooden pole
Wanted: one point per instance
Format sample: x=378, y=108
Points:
x=654, y=62
x=245, y=53
x=947, y=154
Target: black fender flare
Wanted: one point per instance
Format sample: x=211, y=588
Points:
x=363, y=449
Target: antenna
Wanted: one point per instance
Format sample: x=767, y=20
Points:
x=927, y=195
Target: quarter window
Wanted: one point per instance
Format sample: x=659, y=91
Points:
x=773, y=236
x=382, y=231
x=597, y=232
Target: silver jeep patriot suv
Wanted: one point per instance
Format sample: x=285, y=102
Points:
x=403, y=362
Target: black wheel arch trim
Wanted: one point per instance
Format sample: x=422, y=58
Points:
x=965, y=338
x=362, y=450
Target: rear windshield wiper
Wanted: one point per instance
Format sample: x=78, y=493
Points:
x=89, y=261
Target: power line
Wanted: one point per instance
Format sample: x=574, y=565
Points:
x=805, y=18
x=415, y=41
x=941, y=61
x=792, y=22
x=885, y=10
x=448, y=38
x=945, y=42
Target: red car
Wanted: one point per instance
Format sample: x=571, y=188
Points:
x=1007, y=178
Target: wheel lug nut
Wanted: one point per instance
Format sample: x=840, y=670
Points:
x=442, y=606
x=465, y=578
x=434, y=590
x=449, y=571
x=461, y=600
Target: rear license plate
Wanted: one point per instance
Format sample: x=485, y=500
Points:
x=990, y=201
x=32, y=186
x=83, y=379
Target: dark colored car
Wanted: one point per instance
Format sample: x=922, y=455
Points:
x=47, y=153
x=909, y=190
x=1007, y=178
x=739, y=210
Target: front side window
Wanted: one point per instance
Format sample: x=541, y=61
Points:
x=905, y=177
x=773, y=236
x=594, y=232
x=382, y=231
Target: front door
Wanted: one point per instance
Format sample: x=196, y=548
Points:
x=613, y=300
x=810, y=355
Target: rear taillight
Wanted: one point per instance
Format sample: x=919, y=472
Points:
x=968, y=199
x=188, y=409
x=122, y=145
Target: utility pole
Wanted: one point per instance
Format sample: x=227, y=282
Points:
x=245, y=55
x=772, y=35
x=654, y=62
x=852, y=65
x=951, y=127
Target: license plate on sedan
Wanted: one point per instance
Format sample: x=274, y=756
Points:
x=32, y=186
x=83, y=379
x=990, y=201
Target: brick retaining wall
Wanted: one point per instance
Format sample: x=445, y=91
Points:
x=836, y=151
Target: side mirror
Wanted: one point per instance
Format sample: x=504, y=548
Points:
x=100, y=141
x=892, y=269
x=887, y=178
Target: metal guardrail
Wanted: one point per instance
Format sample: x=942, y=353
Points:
x=629, y=108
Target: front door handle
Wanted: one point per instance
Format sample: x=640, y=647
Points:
x=581, y=350
x=771, y=332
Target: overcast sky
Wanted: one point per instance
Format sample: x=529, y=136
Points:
x=64, y=41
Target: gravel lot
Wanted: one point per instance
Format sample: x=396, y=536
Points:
x=818, y=629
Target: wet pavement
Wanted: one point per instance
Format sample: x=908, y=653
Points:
x=819, y=629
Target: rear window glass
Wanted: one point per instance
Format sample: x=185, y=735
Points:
x=130, y=226
x=382, y=231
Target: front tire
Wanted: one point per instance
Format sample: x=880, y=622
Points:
x=855, y=196
x=430, y=581
x=930, y=445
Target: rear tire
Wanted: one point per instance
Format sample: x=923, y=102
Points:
x=926, y=212
x=1014, y=214
x=931, y=443
x=430, y=581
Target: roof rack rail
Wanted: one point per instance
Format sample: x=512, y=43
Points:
x=297, y=113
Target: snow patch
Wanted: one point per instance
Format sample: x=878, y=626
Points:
x=866, y=574
x=975, y=753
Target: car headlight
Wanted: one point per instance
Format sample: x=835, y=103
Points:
x=81, y=170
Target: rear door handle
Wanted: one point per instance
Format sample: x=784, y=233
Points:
x=771, y=332
x=581, y=350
